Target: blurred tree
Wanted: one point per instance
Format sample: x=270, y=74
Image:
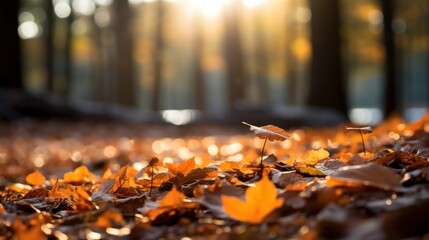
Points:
x=327, y=86
x=198, y=72
x=159, y=44
x=392, y=99
x=235, y=68
x=125, y=79
x=10, y=50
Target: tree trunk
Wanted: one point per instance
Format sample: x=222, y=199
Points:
x=327, y=86
x=125, y=80
x=235, y=68
x=159, y=42
x=392, y=99
x=10, y=50
x=197, y=72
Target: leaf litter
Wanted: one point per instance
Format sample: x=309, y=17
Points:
x=315, y=183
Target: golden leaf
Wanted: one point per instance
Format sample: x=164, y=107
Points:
x=314, y=156
x=80, y=174
x=260, y=201
x=35, y=178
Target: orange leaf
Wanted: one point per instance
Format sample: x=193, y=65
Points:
x=173, y=198
x=229, y=166
x=35, y=178
x=260, y=201
x=2, y=210
x=314, y=156
x=110, y=218
x=124, y=178
x=269, y=132
x=80, y=174
x=183, y=167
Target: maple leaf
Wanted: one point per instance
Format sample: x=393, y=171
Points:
x=35, y=178
x=269, y=132
x=182, y=168
x=170, y=205
x=260, y=201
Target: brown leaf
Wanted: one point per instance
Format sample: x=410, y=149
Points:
x=211, y=196
x=363, y=130
x=403, y=160
x=269, y=132
x=367, y=175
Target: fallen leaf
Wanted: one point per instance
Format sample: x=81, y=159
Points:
x=174, y=198
x=367, y=175
x=173, y=203
x=260, y=201
x=269, y=132
x=31, y=230
x=80, y=174
x=183, y=167
x=402, y=160
x=112, y=217
x=229, y=166
x=211, y=196
x=35, y=178
x=314, y=156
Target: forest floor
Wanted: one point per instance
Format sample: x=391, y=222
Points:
x=92, y=180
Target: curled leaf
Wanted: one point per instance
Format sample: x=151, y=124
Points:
x=363, y=130
x=269, y=132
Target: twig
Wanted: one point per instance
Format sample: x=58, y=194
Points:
x=262, y=156
x=151, y=181
x=363, y=142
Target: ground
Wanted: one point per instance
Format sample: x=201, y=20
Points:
x=77, y=180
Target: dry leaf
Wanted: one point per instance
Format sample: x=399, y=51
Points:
x=183, y=167
x=364, y=130
x=110, y=218
x=367, y=175
x=229, y=166
x=260, y=201
x=80, y=174
x=35, y=178
x=314, y=156
x=269, y=132
x=174, y=198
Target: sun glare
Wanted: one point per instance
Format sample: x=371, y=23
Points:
x=210, y=8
